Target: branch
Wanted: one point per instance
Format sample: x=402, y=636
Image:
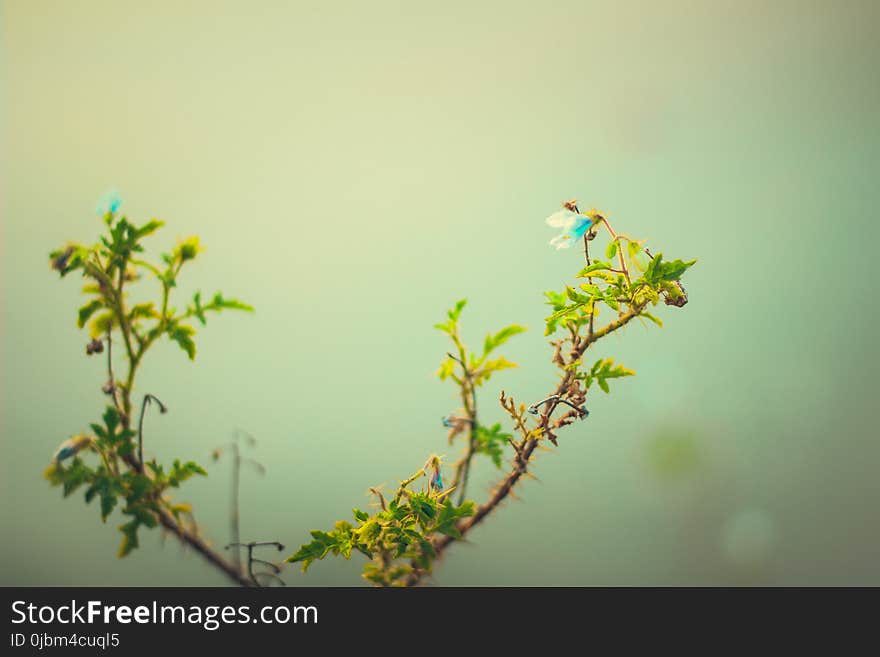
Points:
x=195, y=542
x=520, y=463
x=469, y=401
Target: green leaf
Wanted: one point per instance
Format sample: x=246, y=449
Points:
x=447, y=369
x=180, y=472
x=489, y=367
x=654, y=319
x=568, y=310
x=143, y=515
x=138, y=486
x=672, y=271
x=359, y=515
x=129, y=537
x=491, y=441
x=423, y=508
x=611, y=249
x=219, y=302
x=595, y=267
x=149, y=228
x=652, y=266
x=197, y=309
x=605, y=369
x=450, y=515
x=456, y=311
x=494, y=341
x=88, y=310
x=144, y=311
x=108, y=503
x=369, y=532
x=182, y=335
x=102, y=324
x=111, y=420
x=317, y=549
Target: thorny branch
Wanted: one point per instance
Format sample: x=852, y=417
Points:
x=527, y=446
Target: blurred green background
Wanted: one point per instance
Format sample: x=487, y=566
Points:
x=353, y=168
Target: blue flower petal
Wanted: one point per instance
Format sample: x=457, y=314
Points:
x=581, y=226
x=110, y=202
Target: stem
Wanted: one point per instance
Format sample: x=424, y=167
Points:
x=250, y=566
x=110, y=374
x=147, y=399
x=407, y=482
x=133, y=358
x=589, y=278
x=195, y=542
x=251, y=560
x=165, y=518
x=620, y=257
x=520, y=464
x=234, y=518
x=469, y=401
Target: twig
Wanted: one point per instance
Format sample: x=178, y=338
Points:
x=469, y=400
x=162, y=409
x=188, y=537
x=111, y=383
x=251, y=560
x=234, y=514
x=589, y=280
x=520, y=464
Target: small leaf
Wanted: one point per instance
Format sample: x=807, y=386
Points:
x=102, y=324
x=611, y=249
x=447, y=368
x=492, y=342
x=672, y=271
x=88, y=310
x=129, y=537
x=456, y=312
x=149, y=228
x=654, y=319
x=652, y=266
x=182, y=335
x=595, y=267
x=144, y=311
x=108, y=503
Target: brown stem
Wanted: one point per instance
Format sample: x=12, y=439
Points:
x=196, y=543
x=469, y=401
